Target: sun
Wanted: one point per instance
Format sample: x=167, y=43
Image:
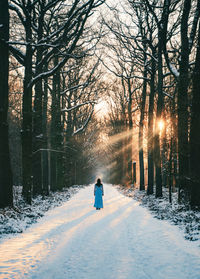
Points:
x=161, y=125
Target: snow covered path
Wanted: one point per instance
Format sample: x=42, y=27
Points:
x=122, y=241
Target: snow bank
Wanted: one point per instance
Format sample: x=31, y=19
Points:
x=22, y=215
x=178, y=214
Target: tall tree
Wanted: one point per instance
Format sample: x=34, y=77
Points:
x=183, y=82
x=62, y=40
x=189, y=17
x=27, y=107
x=195, y=131
x=141, y=124
x=38, y=123
x=6, y=196
x=150, y=124
x=143, y=49
x=162, y=24
x=56, y=133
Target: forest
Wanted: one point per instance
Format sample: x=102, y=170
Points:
x=96, y=87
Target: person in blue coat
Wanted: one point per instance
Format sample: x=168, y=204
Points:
x=98, y=193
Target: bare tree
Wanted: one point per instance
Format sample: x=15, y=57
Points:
x=126, y=59
x=6, y=196
x=195, y=131
x=62, y=40
x=189, y=17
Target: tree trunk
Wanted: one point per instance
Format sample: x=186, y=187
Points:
x=70, y=118
x=195, y=132
x=130, y=128
x=56, y=135
x=124, y=142
x=6, y=191
x=170, y=167
x=45, y=165
x=162, y=38
x=183, y=105
x=174, y=139
x=53, y=175
x=27, y=119
x=141, y=124
x=164, y=154
x=150, y=129
x=37, y=140
x=158, y=118
x=37, y=119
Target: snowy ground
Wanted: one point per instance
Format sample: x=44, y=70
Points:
x=122, y=241
x=178, y=214
x=22, y=215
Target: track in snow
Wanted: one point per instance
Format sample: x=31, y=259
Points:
x=122, y=241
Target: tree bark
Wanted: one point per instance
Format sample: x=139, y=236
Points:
x=157, y=155
x=164, y=153
x=183, y=106
x=162, y=40
x=170, y=167
x=6, y=190
x=38, y=136
x=150, y=128
x=45, y=165
x=141, y=124
x=56, y=135
x=27, y=118
x=174, y=139
x=195, y=132
x=130, y=128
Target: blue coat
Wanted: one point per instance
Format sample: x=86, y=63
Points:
x=98, y=192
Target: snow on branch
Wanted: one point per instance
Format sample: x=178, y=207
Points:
x=173, y=70
x=169, y=96
x=17, y=54
x=84, y=126
x=79, y=105
x=77, y=34
x=83, y=85
x=49, y=72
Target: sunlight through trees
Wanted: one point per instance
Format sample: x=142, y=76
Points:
x=98, y=87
